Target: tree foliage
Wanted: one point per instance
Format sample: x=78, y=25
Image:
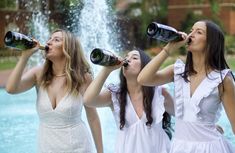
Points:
x=147, y=11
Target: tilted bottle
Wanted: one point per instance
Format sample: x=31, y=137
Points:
x=163, y=32
x=104, y=58
x=19, y=41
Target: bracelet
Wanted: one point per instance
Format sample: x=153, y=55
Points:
x=166, y=51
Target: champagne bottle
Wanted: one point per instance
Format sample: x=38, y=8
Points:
x=19, y=41
x=163, y=32
x=104, y=58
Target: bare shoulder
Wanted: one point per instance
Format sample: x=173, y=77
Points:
x=228, y=82
x=165, y=91
x=88, y=80
x=229, y=78
x=37, y=70
x=33, y=71
x=88, y=77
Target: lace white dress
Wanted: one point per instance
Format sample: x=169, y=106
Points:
x=195, y=130
x=136, y=137
x=61, y=130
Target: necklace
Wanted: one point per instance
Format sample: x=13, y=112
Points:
x=60, y=75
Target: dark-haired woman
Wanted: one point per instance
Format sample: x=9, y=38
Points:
x=138, y=110
x=202, y=85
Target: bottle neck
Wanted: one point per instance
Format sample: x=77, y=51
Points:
x=42, y=47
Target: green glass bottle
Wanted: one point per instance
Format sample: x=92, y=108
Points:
x=19, y=41
x=104, y=58
x=163, y=32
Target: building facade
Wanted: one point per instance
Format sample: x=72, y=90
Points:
x=16, y=14
x=178, y=10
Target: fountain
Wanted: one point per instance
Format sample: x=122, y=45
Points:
x=40, y=30
x=97, y=29
x=101, y=34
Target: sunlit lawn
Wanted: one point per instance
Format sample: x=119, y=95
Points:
x=6, y=63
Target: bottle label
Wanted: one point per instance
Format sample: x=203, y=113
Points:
x=18, y=40
x=166, y=27
x=18, y=36
x=109, y=58
x=165, y=33
x=103, y=57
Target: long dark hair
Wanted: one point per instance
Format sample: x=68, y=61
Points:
x=214, y=54
x=148, y=93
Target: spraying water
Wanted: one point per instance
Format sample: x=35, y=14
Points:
x=97, y=26
x=39, y=28
x=97, y=29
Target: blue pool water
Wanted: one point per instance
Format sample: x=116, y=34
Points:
x=19, y=123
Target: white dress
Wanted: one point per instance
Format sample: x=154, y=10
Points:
x=136, y=136
x=195, y=130
x=61, y=130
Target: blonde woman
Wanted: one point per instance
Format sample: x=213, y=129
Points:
x=60, y=83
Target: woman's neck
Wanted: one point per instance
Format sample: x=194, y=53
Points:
x=58, y=68
x=134, y=87
x=199, y=62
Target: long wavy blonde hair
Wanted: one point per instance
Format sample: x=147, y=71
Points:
x=76, y=66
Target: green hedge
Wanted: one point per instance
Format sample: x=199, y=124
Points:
x=230, y=44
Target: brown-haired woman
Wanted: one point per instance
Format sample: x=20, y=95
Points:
x=202, y=85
